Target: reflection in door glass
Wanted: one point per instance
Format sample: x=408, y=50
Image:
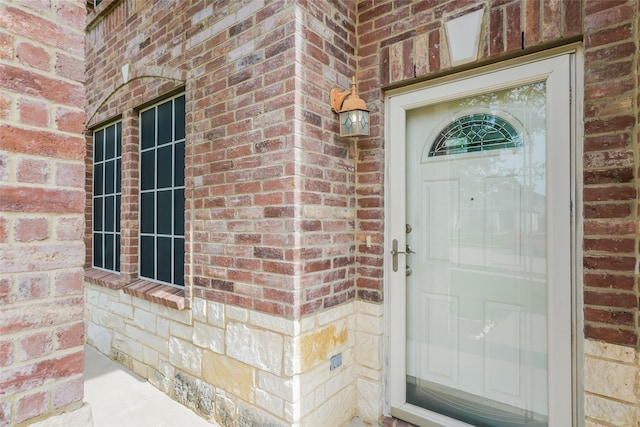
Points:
x=476, y=301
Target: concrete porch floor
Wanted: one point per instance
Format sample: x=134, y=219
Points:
x=120, y=398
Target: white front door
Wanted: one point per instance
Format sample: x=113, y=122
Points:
x=479, y=232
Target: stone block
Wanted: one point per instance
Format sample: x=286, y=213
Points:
x=338, y=380
x=123, y=310
x=230, y=375
x=292, y=356
x=199, y=308
x=193, y=393
x=337, y=411
x=159, y=381
x=609, y=351
x=367, y=351
x=208, y=337
x=276, y=324
x=339, y=312
x=128, y=346
x=146, y=338
x=312, y=379
x=250, y=416
x=99, y=337
x=373, y=325
x=318, y=346
x=269, y=402
x=181, y=316
x=184, y=355
x=369, y=400
x=238, y=314
x=215, y=313
x=144, y=320
x=611, y=412
x=286, y=388
x=225, y=409
x=611, y=379
x=180, y=330
x=256, y=347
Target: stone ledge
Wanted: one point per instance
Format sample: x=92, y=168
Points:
x=103, y=278
x=158, y=293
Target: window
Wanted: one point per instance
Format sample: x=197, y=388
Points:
x=162, y=133
x=475, y=132
x=107, y=164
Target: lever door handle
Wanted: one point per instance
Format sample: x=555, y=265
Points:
x=395, y=252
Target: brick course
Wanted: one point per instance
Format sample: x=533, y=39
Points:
x=41, y=210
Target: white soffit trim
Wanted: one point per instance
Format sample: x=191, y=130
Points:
x=463, y=36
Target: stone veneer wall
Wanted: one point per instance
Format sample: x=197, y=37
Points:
x=244, y=367
x=612, y=385
x=42, y=101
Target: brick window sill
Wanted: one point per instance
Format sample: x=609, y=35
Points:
x=102, y=278
x=158, y=293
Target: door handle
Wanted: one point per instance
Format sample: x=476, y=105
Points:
x=395, y=252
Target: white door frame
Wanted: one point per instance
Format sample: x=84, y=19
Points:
x=565, y=406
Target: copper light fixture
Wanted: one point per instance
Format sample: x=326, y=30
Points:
x=354, y=114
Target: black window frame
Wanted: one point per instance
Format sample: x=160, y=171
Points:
x=162, y=192
x=106, y=197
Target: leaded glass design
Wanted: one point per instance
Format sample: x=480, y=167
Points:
x=162, y=138
x=475, y=132
x=107, y=164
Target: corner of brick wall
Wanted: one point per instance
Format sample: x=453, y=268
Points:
x=42, y=174
x=611, y=173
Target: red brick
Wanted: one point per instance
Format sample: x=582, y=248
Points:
x=4, y=230
x=34, y=171
x=34, y=346
x=5, y=105
x=35, y=113
x=29, y=230
x=18, y=80
x=612, y=317
x=31, y=406
x=612, y=281
x=68, y=283
x=68, y=392
x=70, y=175
x=608, y=36
x=23, y=199
x=6, y=46
x=70, y=120
x=42, y=143
x=42, y=5
x=70, y=336
x=31, y=286
x=33, y=56
x=618, y=336
x=5, y=291
x=6, y=354
x=70, y=228
x=610, y=299
x=22, y=22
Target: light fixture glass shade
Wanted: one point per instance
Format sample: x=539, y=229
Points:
x=354, y=123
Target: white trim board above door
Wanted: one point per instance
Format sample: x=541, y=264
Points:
x=481, y=104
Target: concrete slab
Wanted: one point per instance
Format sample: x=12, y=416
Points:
x=118, y=397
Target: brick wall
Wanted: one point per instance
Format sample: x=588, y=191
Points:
x=401, y=42
x=270, y=187
x=41, y=209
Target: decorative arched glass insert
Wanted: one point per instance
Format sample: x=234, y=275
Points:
x=475, y=132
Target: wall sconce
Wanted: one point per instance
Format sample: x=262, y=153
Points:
x=354, y=114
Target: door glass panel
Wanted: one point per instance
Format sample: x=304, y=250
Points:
x=476, y=300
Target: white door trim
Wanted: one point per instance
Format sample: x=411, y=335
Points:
x=561, y=310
